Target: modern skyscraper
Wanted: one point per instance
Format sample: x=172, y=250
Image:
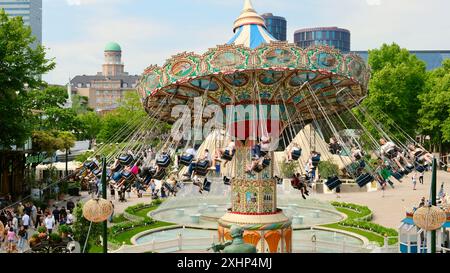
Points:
x=276, y=25
x=29, y=10
x=332, y=36
x=432, y=58
x=106, y=89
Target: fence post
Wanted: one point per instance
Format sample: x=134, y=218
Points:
x=343, y=245
x=180, y=242
x=153, y=245
x=386, y=242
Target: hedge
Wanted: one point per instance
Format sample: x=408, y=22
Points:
x=363, y=222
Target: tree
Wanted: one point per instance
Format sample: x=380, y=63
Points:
x=90, y=126
x=434, y=113
x=47, y=142
x=398, y=78
x=20, y=69
x=82, y=227
x=80, y=104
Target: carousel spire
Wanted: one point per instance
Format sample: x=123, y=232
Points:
x=250, y=28
x=249, y=16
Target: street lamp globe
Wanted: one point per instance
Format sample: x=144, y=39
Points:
x=429, y=218
x=97, y=210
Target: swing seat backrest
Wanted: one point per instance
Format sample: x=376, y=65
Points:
x=315, y=160
x=227, y=156
x=207, y=185
x=126, y=160
x=186, y=159
x=333, y=182
x=163, y=161
x=296, y=154
x=364, y=179
x=420, y=169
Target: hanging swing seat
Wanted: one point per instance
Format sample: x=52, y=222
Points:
x=409, y=168
x=227, y=156
x=364, y=179
x=315, y=161
x=126, y=160
x=186, y=159
x=226, y=181
x=207, y=185
x=97, y=172
x=296, y=154
x=397, y=175
x=91, y=165
x=420, y=168
x=163, y=161
x=129, y=176
x=333, y=182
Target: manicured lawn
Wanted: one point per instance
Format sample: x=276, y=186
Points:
x=127, y=235
x=96, y=249
x=143, y=213
x=352, y=214
x=119, y=219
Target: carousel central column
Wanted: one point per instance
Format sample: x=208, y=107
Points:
x=254, y=208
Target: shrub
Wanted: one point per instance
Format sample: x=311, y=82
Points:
x=328, y=169
x=65, y=229
x=42, y=230
x=55, y=238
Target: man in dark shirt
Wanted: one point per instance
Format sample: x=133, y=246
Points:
x=70, y=205
x=27, y=209
x=56, y=214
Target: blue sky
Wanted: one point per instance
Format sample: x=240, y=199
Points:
x=76, y=31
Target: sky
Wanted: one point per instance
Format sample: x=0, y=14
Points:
x=149, y=32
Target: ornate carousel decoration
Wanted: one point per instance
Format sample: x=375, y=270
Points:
x=255, y=69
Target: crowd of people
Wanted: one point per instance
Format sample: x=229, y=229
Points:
x=17, y=223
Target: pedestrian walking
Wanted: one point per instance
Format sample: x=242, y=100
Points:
x=414, y=181
x=421, y=178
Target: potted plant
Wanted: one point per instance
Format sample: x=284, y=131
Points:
x=55, y=238
x=42, y=233
x=65, y=231
x=34, y=241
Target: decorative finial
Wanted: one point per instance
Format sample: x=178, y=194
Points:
x=249, y=16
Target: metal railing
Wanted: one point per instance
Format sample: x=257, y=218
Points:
x=193, y=244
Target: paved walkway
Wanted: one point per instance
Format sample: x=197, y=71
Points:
x=390, y=209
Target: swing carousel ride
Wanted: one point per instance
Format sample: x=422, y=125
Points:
x=247, y=95
x=253, y=69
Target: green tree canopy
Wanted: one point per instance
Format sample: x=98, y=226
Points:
x=434, y=113
x=398, y=78
x=21, y=66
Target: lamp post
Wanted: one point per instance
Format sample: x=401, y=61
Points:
x=105, y=223
x=433, y=202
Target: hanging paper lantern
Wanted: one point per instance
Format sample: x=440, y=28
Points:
x=97, y=210
x=429, y=218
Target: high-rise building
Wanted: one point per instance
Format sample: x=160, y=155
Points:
x=332, y=36
x=432, y=58
x=29, y=10
x=106, y=89
x=276, y=25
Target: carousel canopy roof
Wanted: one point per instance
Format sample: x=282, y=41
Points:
x=256, y=69
x=250, y=28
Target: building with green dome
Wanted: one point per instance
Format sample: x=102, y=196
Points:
x=106, y=89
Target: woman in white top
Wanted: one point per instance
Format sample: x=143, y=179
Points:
x=229, y=149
